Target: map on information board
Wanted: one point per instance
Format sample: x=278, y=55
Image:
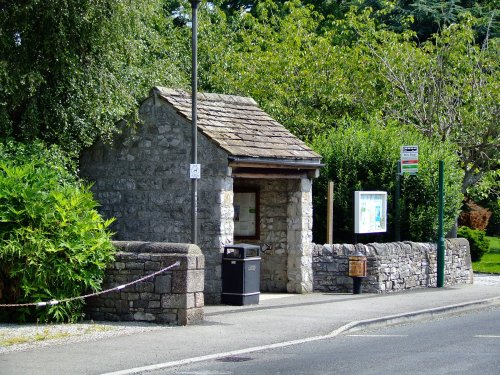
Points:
x=370, y=211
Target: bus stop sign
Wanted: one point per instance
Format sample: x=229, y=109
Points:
x=409, y=159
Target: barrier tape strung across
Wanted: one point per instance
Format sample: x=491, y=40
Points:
x=119, y=287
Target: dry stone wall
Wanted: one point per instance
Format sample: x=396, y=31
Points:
x=392, y=267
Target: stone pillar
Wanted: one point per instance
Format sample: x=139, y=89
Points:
x=225, y=220
x=299, y=237
x=226, y=211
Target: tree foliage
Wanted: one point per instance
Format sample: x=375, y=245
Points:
x=310, y=77
x=428, y=16
x=69, y=70
x=53, y=243
x=364, y=157
x=304, y=79
x=447, y=87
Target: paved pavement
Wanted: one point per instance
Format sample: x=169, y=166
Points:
x=279, y=320
x=486, y=279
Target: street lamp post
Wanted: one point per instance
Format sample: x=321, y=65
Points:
x=194, y=139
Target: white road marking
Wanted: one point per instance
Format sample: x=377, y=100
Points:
x=187, y=361
x=488, y=336
x=377, y=335
x=205, y=373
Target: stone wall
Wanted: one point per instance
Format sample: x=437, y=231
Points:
x=273, y=228
x=392, y=267
x=142, y=180
x=173, y=297
x=285, y=233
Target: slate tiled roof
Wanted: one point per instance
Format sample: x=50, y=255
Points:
x=239, y=126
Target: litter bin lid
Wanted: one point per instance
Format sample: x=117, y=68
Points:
x=242, y=246
x=241, y=250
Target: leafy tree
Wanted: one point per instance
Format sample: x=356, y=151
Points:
x=69, y=70
x=325, y=7
x=275, y=56
x=448, y=88
x=432, y=16
x=236, y=5
x=428, y=16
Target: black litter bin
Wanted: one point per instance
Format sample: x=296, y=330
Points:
x=241, y=274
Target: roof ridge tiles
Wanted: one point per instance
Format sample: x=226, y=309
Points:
x=231, y=100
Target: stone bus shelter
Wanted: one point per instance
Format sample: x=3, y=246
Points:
x=255, y=184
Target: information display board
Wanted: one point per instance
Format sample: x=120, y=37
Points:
x=370, y=211
x=246, y=214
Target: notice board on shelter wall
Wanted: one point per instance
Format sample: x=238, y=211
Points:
x=246, y=214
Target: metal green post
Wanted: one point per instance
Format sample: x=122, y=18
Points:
x=440, y=239
x=397, y=199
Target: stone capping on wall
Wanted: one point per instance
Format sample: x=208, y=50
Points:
x=392, y=267
x=156, y=247
x=174, y=297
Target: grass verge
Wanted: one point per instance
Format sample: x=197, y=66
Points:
x=39, y=336
x=53, y=332
x=490, y=262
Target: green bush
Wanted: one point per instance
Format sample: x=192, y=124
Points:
x=486, y=193
x=53, y=242
x=478, y=242
x=364, y=157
